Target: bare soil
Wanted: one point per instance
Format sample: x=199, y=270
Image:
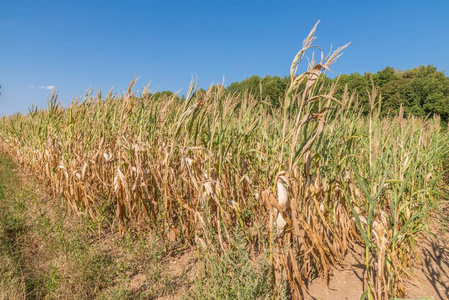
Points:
x=429, y=277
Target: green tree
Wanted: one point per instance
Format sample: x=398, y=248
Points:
x=426, y=92
x=270, y=88
x=273, y=88
x=158, y=95
x=249, y=85
x=385, y=76
x=421, y=91
x=356, y=83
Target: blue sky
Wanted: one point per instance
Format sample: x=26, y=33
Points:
x=76, y=45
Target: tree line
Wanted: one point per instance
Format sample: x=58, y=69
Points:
x=420, y=91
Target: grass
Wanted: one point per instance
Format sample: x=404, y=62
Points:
x=234, y=275
x=305, y=181
x=12, y=282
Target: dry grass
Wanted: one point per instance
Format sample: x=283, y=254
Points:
x=314, y=176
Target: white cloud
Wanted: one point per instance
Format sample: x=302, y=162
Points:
x=47, y=87
x=31, y=86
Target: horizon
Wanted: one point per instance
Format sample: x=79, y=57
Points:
x=79, y=46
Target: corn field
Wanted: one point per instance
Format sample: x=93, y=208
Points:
x=311, y=178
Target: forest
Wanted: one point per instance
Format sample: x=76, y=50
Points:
x=421, y=91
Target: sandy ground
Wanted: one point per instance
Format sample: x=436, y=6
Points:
x=430, y=277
